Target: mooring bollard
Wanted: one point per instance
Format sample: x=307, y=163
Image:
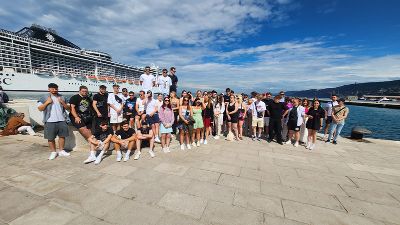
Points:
x=358, y=132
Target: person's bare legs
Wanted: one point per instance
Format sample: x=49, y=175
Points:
x=260, y=132
x=235, y=131
x=182, y=136
x=254, y=131
x=52, y=145
x=297, y=136
x=167, y=139
x=61, y=143
x=240, y=128
x=163, y=140
x=85, y=132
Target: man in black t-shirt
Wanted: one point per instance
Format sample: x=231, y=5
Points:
x=100, y=106
x=100, y=140
x=267, y=100
x=174, y=79
x=124, y=139
x=129, y=108
x=276, y=111
x=81, y=112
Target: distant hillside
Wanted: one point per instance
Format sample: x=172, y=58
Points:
x=359, y=89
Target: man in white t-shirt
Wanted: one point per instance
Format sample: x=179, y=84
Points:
x=258, y=109
x=147, y=80
x=164, y=82
x=328, y=115
x=116, y=103
x=152, y=115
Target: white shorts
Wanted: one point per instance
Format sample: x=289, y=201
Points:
x=116, y=118
x=266, y=121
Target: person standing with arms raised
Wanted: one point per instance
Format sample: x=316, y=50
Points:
x=147, y=80
x=53, y=106
x=81, y=112
x=174, y=80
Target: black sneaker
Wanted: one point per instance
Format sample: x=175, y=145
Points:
x=281, y=143
x=334, y=142
x=269, y=140
x=327, y=141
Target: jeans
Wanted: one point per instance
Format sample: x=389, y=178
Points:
x=338, y=127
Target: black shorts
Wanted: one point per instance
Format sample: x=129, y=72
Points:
x=130, y=116
x=88, y=124
x=328, y=120
x=292, y=125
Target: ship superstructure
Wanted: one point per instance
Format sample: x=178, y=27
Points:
x=35, y=56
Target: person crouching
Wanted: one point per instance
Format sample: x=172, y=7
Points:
x=99, y=141
x=145, y=133
x=124, y=139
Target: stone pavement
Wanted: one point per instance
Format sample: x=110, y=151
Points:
x=223, y=183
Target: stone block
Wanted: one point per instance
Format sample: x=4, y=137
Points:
x=183, y=203
x=240, y=182
x=226, y=214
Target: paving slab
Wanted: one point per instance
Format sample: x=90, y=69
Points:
x=258, y=202
x=184, y=204
x=118, y=169
x=375, y=169
x=170, y=168
x=134, y=213
x=16, y=202
x=202, y=175
x=145, y=192
x=48, y=214
x=86, y=219
x=317, y=215
x=110, y=183
x=221, y=168
x=170, y=218
x=239, y=182
x=211, y=191
x=376, y=196
x=274, y=220
x=226, y=214
x=372, y=210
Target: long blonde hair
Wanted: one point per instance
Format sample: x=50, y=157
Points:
x=239, y=99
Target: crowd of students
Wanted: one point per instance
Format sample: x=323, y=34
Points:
x=129, y=122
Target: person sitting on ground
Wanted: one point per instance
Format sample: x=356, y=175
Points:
x=145, y=133
x=81, y=112
x=16, y=124
x=124, y=139
x=99, y=141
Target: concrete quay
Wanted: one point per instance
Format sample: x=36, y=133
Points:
x=222, y=183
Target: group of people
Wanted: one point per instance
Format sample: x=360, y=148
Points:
x=128, y=122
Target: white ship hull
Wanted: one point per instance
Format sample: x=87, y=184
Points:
x=22, y=82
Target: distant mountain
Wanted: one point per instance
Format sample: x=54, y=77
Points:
x=359, y=89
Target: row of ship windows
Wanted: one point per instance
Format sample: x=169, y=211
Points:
x=1, y=74
x=15, y=65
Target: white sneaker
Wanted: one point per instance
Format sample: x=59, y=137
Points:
x=168, y=150
x=137, y=155
x=296, y=144
x=194, y=144
x=119, y=156
x=183, y=147
x=201, y=141
x=287, y=142
x=152, y=153
x=101, y=145
x=127, y=155
x=164, y=150
x=99, y=158
x=198, y=144
x=188, y=146
x=312, y=146
x=157, y=139
x=205, y=142
x=90, y=159
x=216, y=137
x=63, y=153
x=308, y=145
x=53, y=155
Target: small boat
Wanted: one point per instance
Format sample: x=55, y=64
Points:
x=80, y=77
x=92, y=77
x=64, y=76
x=44, y=73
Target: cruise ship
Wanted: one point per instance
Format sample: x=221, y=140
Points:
x=35, y=56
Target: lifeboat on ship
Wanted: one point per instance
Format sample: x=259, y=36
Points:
x=44, y=73
x=80, y=77
x=64, y=76
x=92, y=77
x=102, y=79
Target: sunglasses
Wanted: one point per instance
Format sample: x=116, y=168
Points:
x=131, y=95
x=166, y=100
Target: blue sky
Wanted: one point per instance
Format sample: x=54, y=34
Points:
x=246, y=45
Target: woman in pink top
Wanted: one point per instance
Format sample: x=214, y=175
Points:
x=166, y=120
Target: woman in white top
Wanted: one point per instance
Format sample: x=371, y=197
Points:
x=219, y=110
